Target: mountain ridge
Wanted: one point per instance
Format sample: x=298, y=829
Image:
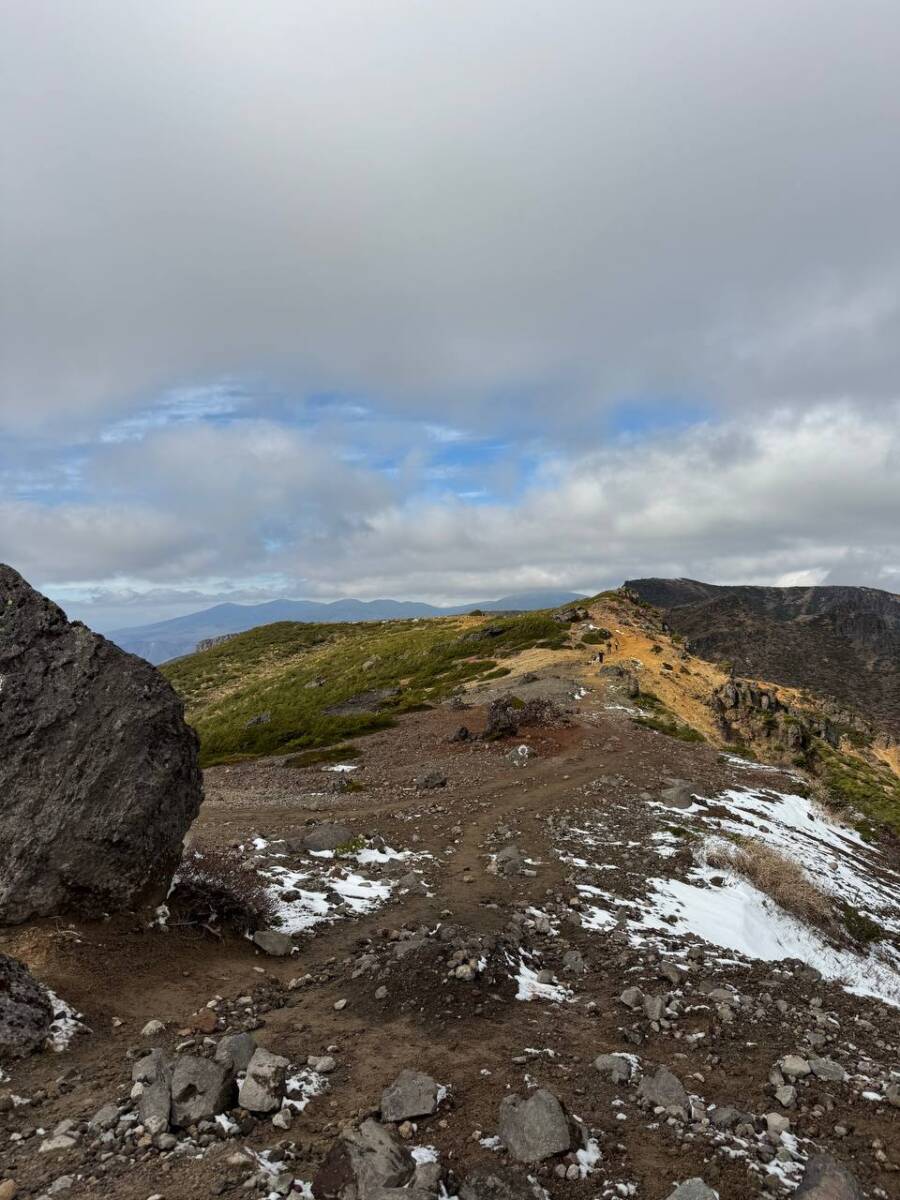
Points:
x=163, y=640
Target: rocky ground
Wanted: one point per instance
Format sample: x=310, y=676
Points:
x=502, y=972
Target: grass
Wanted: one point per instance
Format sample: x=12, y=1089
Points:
x=295, y=673
x=779, y=877
x=596, y=637
x=671, y=728
x=854, y=782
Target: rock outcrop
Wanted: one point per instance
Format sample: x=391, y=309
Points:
x=99, y=777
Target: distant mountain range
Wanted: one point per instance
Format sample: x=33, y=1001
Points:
x=842, y=642
x=170, y=639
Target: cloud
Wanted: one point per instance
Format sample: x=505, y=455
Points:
x=476, y=213
x=444, y=300
x=247, y=512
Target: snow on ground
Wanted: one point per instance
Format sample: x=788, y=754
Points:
x=736, y=915
x=327, y=887
x=66, y=1025
x=530, y=988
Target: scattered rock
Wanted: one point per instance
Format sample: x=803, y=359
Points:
x=25, y=1010
x=263, y=1087
x=363, y=1160
x=663, y=1090
x=825, y=1179
x=235, y=1050
x=412, y=1094
x=201, y=1089
x=98, y=770
x=153, y=1076
x=794, y=1066
x=153, y=1029
x=429, y=780
x=534, y=1128
x=828, y=1069
x=271, y=941
x=679, y=796
x=693, y=1189
x=329, y=835
x=615, y=1067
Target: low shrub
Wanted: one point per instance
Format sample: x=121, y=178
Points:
x=213, y=888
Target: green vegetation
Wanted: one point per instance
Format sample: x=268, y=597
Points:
x=860, y=926
x=851, y=782
x=670, y=727
x=597, y=637
x=287, y=688
x=329, y=754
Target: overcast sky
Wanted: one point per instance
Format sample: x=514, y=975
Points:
x=446, y=300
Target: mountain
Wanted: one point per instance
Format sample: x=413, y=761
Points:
x=842, y=642
x=164, y=640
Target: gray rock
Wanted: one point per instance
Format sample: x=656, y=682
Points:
x=263, y=1087
x=492, y=1185
x=723, y=1116
x=632, y=997
x=429, y=780
x=201, y=1089
x=777, y=1124
x=329, y=835
x=825, y=1179
x=235, y=1050
x=614, y=1066
x=25, y=1010
x=827, y=1069
x=361, y=1161
x=534, y=1128
x=270, y=941
x=693, y=1189
x=153, y=1073
x=105, y=1117
x=509, y=861
x=573, y=963
x=679, y=796
x=99, y=777
x=412, y=1094
x=427, y=1177
x=794, y=1066
x=663, y=1090
x=654, y=1007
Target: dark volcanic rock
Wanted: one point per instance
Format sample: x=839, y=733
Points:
x=25, y=1010
x=99, y=778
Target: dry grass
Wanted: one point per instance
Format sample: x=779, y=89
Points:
x=782, y=879
x=214, y=888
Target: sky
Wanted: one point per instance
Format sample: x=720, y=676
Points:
x=443, y=300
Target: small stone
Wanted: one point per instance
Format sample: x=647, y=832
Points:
x=615, y=1066
x=794, y=1066
x=632, y=997
x=534, y=1128
x=205, y=1021
x=324, y=1065
x=381, y=992
x=827, y=1069
x=786, y=1096
x=263, y=1087
x=693, y=1189
x=8, y=1189
x=412, y=1094
x=776, y=1124
x=340, y=1005
x=271, y=941
x=153, y=1029
x=283, y=1119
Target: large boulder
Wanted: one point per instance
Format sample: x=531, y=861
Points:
x=827, y=1179
x=25, y=1010
x=99, y=778
x=412, y=1094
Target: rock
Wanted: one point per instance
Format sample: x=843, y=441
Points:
x=615, y=1067
x=573, y=963
x=632, y=997
x=153, y=1075
x=263, y=1087
x=323, y=1065
x=723, y=1116
x=429, y=780
x=827, y=1069
x=412, y=1094
x=235, y=1051
x=57, y=1143
x=509, y=861
x=153, y=1029
x=663, y=1090
x=205, y=1021
x=201, y=1089
x=534, y=1128
x=786, y=1095
x=693, y=1189
x=794, y=1066
x=654, y=1007
x=679, y=796
x=25, y=1009
x=7, y=1189
x=283, y=1119
x=328, y=835
x=361, y=1161
x=825, y=1179
x=776, y=1124
x=99, y=777
x=272, y=942
x=104, y=1118
x=488, y=1185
